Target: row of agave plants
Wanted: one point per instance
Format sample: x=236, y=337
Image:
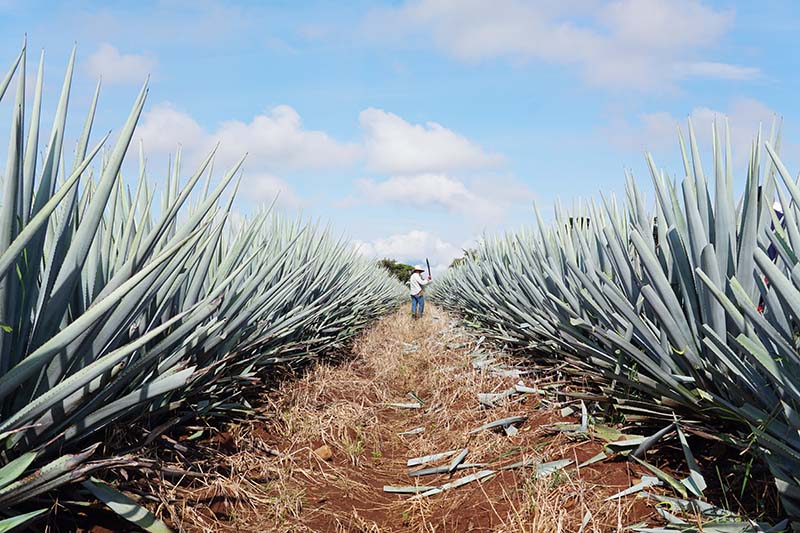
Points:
x=686, y=305
x=115, y=310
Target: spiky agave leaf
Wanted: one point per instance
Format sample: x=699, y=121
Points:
x=113, y=311
x=690, y=306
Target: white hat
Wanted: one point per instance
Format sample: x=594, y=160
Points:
x=418, y=268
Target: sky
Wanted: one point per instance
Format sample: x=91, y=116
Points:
x=416, y=127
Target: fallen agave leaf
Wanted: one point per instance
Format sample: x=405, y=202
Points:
x=520, y=464
x=443, y=469
x=696, y=483
x=563, y=427
x=669, y=517
x=499, y=423
x=585, y=522
x=663, y=476
x=415, y=431
x=414, y=405
x=546, y=469
x=584, y=419
x=649, y=442
x=606, y=433
x=624, y=446
x=646, y=482
x=406, y=489
x=416, y=398
x=430, y=458
x=457, y=483
x=491, y=398
x=458, y=459
x=596, y=459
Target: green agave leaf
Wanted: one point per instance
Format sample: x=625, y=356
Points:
x=11, y=471
x=125, y=506
x=15, y=521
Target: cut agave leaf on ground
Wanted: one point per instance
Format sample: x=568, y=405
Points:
x=546, y=469
x=415, y=431
x=430, y=458
x=606, y=433
x=716, y=527
x=584, y=419
x=587, y=517
x=624, y=446
x=696, y=483
x=594, y=459
x=651, y=441
x=646, y=482
x=409, y=489
x=457, y=460
x=125, y=506
x=443, y=469
x=525, y=463
x=670, y=518
x=414, y=405
x=499, y=423
x=477, y=476
x=663, y=476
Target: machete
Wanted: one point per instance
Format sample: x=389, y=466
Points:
x=429, y=266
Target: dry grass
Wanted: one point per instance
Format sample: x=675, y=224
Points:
x=344, y=406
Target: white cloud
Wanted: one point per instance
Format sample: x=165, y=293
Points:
x=113, y=67
x=395, y=146
x=711, y=69
x=482, y=200
x=622, y=43
x=164, y=127
x=275, y=140
x=659, y=130
x=279, y=140
x=264, y=188
x=414, y=246
x=420, y=190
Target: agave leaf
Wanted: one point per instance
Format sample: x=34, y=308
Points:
x=125, y=506
x=9, y=524
x=11, y=471
x=696, y=483
x=663, y=476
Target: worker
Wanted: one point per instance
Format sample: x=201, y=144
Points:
x=416, y=284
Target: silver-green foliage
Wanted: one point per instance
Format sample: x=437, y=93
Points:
x=672, y=306
x=112, y=310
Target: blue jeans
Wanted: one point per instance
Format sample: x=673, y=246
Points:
x=417, y=301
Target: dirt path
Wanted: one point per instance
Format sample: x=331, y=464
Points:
x=275, y=473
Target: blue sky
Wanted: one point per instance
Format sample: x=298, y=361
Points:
x=415, y=126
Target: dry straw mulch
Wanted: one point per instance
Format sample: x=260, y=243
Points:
x=265, y=475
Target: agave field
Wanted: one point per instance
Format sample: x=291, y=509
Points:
x=123, y=304
x=688, y=306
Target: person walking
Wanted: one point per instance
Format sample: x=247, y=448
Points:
x=416, y=283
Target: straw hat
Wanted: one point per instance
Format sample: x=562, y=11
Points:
x=418, y=268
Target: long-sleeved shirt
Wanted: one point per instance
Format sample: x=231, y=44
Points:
x=416, y=283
